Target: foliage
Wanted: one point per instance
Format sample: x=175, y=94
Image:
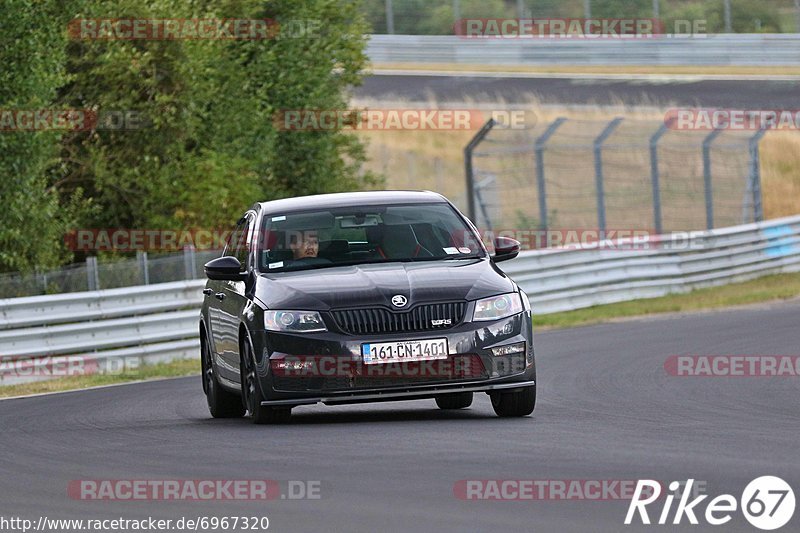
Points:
x=199, y=145
x=31, y=55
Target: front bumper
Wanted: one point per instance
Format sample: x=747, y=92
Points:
x=470, y=366
x=417, y=392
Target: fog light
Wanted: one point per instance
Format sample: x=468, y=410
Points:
x=508, y=349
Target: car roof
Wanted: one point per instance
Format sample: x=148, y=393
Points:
x=321, y=201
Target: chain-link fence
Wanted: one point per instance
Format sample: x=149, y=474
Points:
x=94, y=275
x=618, y=174
x=436, y=17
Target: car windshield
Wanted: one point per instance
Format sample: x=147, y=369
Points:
x=366, y=234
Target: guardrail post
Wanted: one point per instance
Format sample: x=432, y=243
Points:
x=598, y=171
x=476, y=140
x=188, y=261
x=92, y=275
x=709, y=192
x=141, y=259
x=655, y=177
x=755, y=176
x=540, y=183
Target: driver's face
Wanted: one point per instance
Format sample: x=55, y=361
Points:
x=306, y=246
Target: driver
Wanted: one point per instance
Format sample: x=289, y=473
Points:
x=305, y=246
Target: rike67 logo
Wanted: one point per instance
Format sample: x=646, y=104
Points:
x=767, y=503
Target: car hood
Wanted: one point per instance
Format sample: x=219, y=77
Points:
x=375, y=284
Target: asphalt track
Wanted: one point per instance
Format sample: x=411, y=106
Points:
x=607, y=410
x=659, y=92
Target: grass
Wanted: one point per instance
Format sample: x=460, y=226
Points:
x=178, y=368
x=596, y=69
x=765, y=289
x=769, y=288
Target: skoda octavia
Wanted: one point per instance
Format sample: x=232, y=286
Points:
x=363, y=297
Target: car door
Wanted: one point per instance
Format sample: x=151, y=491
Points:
x=233, y=301
x=215, y=296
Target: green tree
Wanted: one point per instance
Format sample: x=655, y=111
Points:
x=209, y=148
x=32, y=57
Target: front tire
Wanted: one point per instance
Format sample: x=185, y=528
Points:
x=251, y=392
x=514, y=404
x=458, y=400
x=221, y=403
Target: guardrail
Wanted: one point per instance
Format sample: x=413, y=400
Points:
x=717, y=50
x=608, y=272
x=159, y=322
x=146, y=324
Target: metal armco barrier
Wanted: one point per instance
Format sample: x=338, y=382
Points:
x=148, y=323
x=567, y=279
x=719, y=49
x=160, y=322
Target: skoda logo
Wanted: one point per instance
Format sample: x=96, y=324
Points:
x=398, y=300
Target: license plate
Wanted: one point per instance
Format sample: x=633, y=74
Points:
x=402, y=351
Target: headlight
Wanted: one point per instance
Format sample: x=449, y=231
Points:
x=294, y=321
x=497, y=307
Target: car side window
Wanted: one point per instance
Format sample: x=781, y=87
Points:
x=243, y=242
x=233, y=239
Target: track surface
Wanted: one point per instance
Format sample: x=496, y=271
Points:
x=740, y=94
x=607, y=410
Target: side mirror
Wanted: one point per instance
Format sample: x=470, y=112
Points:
x=226, y=268
x=505, y=249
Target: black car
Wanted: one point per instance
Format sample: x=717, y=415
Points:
x=363, y=297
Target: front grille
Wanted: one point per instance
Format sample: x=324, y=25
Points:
x=380, y=320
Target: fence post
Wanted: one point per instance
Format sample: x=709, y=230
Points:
x=141, y=259
x=598, y=171
x=655, y=177
x=755, y=175
x=389, y=17
x=490, y=178
x=188, y=261
x=539, y=150
x=727, y=16
x=709, y=192
x=476, y=140
x=92, y=275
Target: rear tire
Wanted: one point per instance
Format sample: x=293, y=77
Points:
x=251, y=392
x=458, y=400
x=514, y=404
x=221, y=403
